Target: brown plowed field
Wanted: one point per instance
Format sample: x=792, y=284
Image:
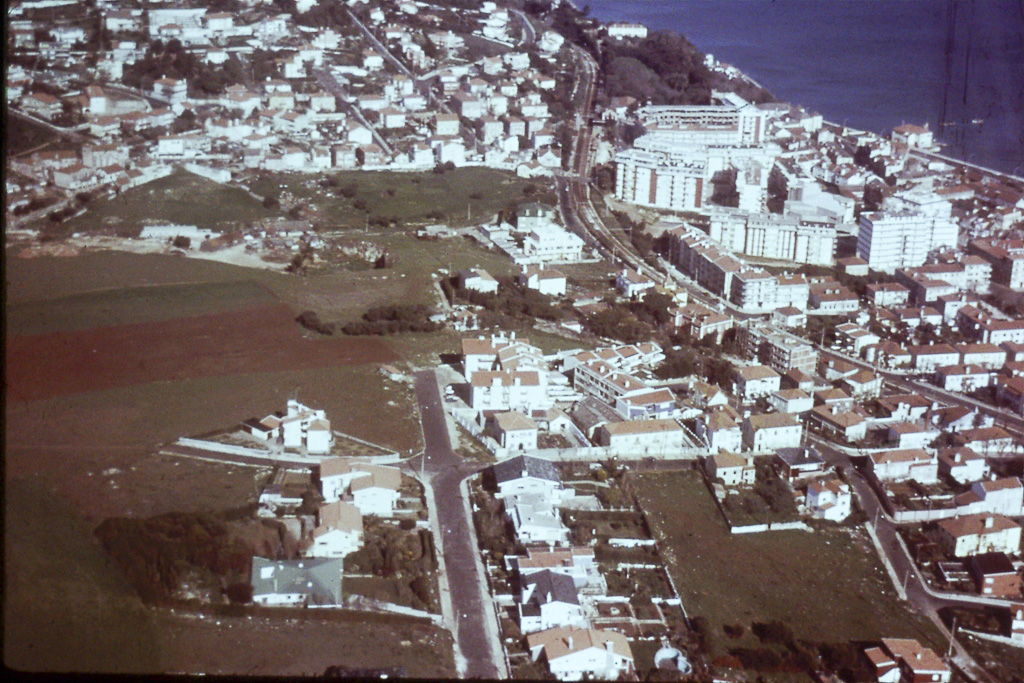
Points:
x=263, y=339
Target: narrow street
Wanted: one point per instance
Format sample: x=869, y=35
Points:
x=469, y=608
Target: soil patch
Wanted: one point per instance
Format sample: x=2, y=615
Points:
x=264, y=339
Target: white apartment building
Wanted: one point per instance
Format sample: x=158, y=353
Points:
x=784, y=238
x=891, y=240
x=549, y=243
x=672, y=165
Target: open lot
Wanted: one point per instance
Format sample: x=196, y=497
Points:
x=181, y=198
x=463, y=196
x=828, y=585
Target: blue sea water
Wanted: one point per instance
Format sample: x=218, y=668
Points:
x=874, y=64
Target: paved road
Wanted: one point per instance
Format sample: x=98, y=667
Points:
x=444, y=474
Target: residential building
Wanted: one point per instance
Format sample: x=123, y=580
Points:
x=1003, y=496
x=700, y=321
x=574, y=654
x=929, y=357
x=962, y=378
x=829, y=499
x=576, y=562
x=1006, y=258
x=794, y=401
x=503, y=391
x=754, y=381
x=549, y=600
x=914, y=662
x=771, y=431
x=477, y=280
x=800, y=463
x=833, y=420
x=889, y=240
x=995, y=575
x=305, y=582
x=654, y=437
x=900, y=465
x=376, y=489
x=963, y=465
x=516, y=431
x=732, y=469
x=631, y=284
x=526, y=474
x=720, y=430
x=546, y=281
x=338, y=532
x=980, y=533
x=887, y=294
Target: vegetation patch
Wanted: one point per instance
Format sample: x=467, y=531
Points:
x=827, y=586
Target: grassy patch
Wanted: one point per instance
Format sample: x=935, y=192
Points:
x=22, y=135
x=464, y=196
x=827, y=585
x=181, y=198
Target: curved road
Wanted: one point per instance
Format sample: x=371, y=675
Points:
x=469, y=610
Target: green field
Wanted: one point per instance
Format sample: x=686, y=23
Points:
x=827, y=585
x=180, y=198
x=464, y=196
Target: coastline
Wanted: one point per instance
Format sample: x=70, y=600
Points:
x=969, y=99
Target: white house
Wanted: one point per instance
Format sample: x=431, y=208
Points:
x=536, y=520
x=339, y=530
x=526, y=474
x=755, y=381
x=963, y=465
x=546, y=281
x=516, y=431
x=576, y=562
x=549, y=600
x=732, y=469
x=772, y=431
x=1004, y=496
x=478, y=280
x=299, y=426
x=631, y=284
x=899, y=465
x=502, y=391
x=654, y=437
x=574, y=654
x=982, y=533
x=376, y=489
x=829, y=499
x=720, y=430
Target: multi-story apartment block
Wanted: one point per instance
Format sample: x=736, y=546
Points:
x=1006, y=258
x=673, y=164
x=900, y=239
x=782, y=237
x=779, y=350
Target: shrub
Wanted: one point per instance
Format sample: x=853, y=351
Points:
x=311, y=321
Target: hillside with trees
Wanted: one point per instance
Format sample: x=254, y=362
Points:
x=665, y=68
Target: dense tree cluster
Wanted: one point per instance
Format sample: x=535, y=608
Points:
x=311, y=321
x=158, y=553
x=392, y=319
x=665, y=68
x=393, y=552
x=171, y=60
x=511, y=300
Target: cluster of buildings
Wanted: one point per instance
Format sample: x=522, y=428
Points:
x=597, y=396
x=554, y=579
x=322, y=505
x=534, y=240
x=364, y=95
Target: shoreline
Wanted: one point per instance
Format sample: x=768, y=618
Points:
x=982, y=146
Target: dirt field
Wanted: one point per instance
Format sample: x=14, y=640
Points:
x=265, y=339
x=182, y=347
